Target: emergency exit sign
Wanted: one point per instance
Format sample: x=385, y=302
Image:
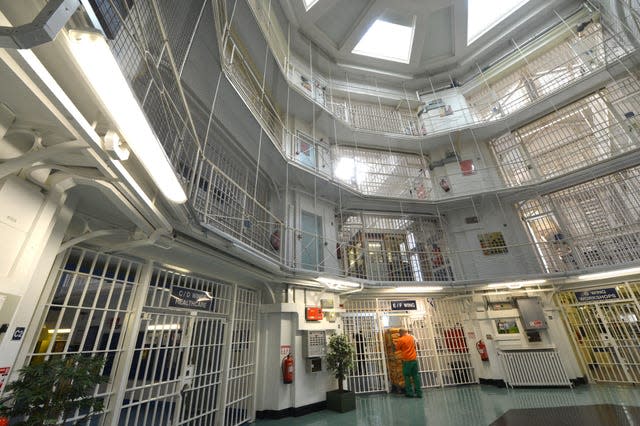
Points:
x=403, y=305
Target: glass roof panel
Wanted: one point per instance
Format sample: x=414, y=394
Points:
x=481, y=18
x=308, y=4
x=386, y=40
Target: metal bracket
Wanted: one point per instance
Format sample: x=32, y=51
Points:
x=42, y=29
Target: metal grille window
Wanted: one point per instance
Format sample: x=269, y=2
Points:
x=538, y=76
x=89, y=310
x=588, y=225
x=593, y=129
x=394, y=248
x=605, y=333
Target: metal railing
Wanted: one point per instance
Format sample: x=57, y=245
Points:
x=486, y=98
x=228, y=196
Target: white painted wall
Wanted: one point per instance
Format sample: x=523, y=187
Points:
x=484, y=326
x=285, y=324
x=493, y=216
x=29, y=263
x=485, y=177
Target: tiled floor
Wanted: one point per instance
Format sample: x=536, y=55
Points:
x=478, y=405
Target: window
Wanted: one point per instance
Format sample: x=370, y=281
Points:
x=388, y=40
x=481, y=18
x=308, y=4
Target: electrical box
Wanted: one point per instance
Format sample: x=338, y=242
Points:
x=313, y=314
x=314, y=343
x=314, y=365
x=531, y=314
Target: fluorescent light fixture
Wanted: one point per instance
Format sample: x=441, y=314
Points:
x=609, y=274
x=481, y=16
x=177, y=268
x=156, y=327
x=338, y=283
x=417, y=289
x=93, y=55
x=516, y=284
x=386, y=40
x=60, y=331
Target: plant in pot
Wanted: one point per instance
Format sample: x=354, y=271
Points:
x=340, y=361
x=52, y=390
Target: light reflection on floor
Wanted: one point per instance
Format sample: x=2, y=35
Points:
x=461, y=406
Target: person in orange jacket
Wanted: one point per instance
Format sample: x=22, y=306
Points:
x=406, y=346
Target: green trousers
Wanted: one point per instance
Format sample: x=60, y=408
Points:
x=410, y=372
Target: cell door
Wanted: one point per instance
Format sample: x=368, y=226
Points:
x=175, y=375
x=362, y=324
x=377, y=264
x=311, y=250
x=160, y=370
x=605, y=334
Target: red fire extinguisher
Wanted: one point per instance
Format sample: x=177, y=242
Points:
x=287, y=369
x=482, y=350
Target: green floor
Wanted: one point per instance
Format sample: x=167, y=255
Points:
x=461, y=406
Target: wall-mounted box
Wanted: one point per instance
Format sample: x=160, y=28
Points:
x=313, y=313
x=314, y=365
x=314, y=343
x=531, y=313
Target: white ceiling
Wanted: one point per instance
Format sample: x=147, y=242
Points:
x=334, y=27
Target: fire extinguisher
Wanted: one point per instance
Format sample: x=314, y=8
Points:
x=482, y=350
x=287, y=369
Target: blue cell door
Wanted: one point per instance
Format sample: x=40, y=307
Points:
x=311, y=253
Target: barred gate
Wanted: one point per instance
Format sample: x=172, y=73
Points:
x=167, y=364
x=443, y=352
x=362, y=324
x=605, y=333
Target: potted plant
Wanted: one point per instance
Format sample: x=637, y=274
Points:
x=48, y=391
x=340, y=361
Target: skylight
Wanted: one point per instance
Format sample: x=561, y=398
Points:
x=308, y=4
x=386, y=40
x=481, y=17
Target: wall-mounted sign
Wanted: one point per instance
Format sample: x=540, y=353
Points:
x=501, y=306
x=597, y=295
x=4, y=373
x=18, y=333
x=404, y=305
x=285, y=350
x=182, y=297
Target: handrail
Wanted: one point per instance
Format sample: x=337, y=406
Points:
x=417, y=181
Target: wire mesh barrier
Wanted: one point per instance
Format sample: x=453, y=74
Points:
x=576, y=48
x=608, y=116
x=231, y=193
